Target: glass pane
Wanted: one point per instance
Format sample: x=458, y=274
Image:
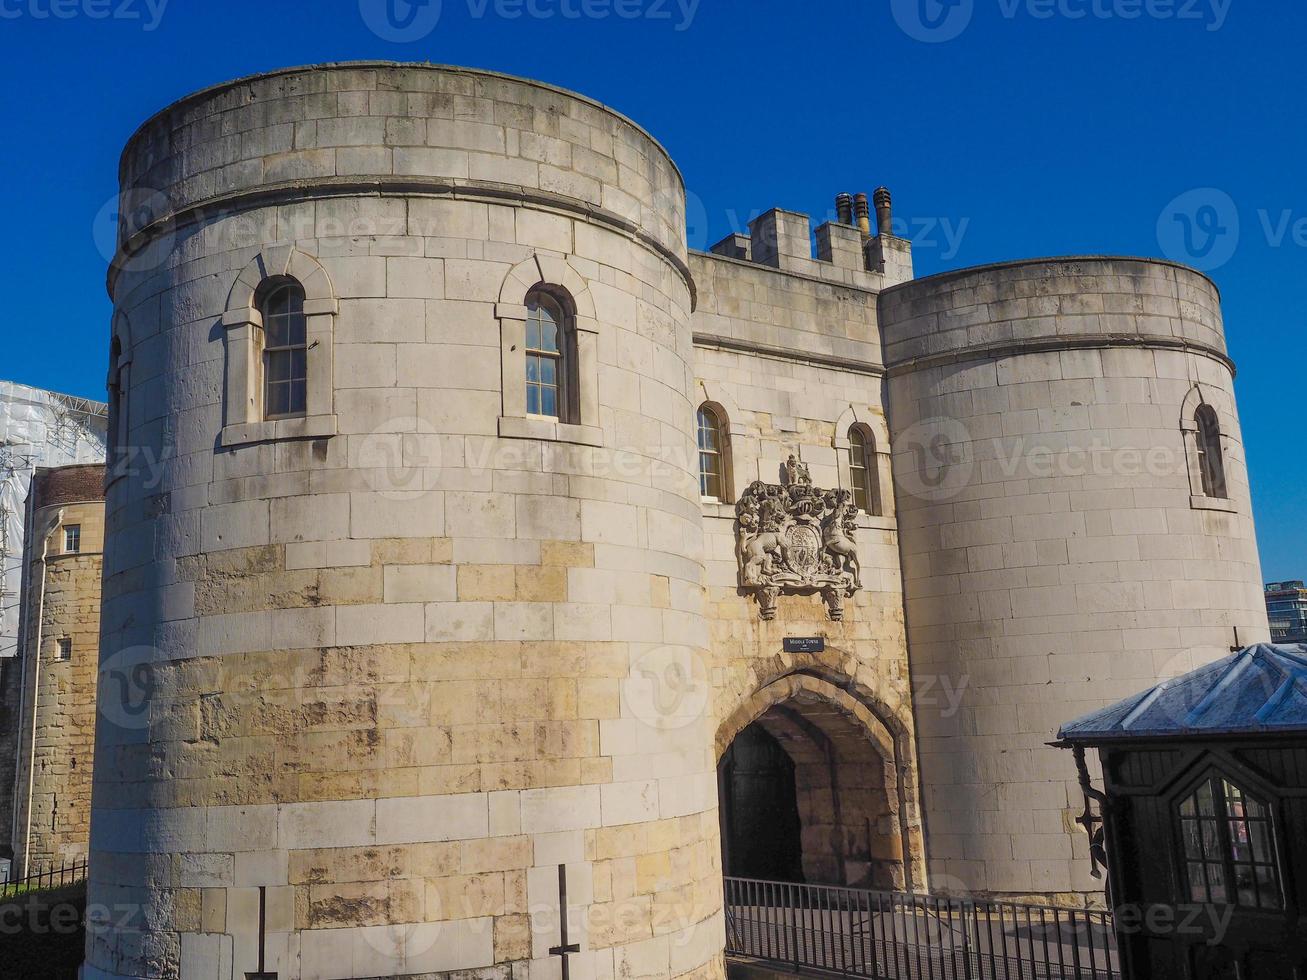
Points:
x=1189, y=834
x=298, y=392
x=1211, y=842
x=1206, y=803
x=1188, y=808
x=710, y=485
x=278, y=366
x=532, y=400
x=1216, y=881
x=548, y=370
x=549, y=401
x=278, y=399
x=299, y=363
x=533, y=367
x=1197, y=888
x=532, y=334
x=1261, y=842
x=296, y=328
x=548, y=336
x=1267, y=888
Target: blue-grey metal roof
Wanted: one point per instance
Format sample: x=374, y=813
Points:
x=1259, y=690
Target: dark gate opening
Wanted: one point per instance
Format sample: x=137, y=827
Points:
x=759, y=809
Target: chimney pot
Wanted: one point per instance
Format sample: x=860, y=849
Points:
x=844, y=208
x=864, y=214
x=884, y=211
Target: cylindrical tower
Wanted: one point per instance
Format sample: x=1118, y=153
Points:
x=1075, y=521
x=402, y=631
x=55, y=721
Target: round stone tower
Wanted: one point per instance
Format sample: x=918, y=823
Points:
x=403, y=638
x=1075, y=521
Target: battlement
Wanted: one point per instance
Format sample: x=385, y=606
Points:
x=846, y=249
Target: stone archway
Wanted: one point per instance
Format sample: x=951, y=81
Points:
x=845, y=784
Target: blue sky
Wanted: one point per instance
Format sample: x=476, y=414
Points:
x=1005, y=128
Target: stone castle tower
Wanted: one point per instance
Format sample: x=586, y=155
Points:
x=53, y=727
x=504, y=558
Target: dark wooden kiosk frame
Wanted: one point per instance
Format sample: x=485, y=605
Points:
x=1204, y=819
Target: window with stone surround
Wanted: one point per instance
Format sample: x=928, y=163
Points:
x=549, y=353
x=1211, y=461
x=285, y=349
x=714, y=454
x=72, y=539
x=278, y=332
x=549, y=356
x=1205, y=449
x=864, y=477
x=63, y=648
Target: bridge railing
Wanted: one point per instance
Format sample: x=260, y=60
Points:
x=898, y=936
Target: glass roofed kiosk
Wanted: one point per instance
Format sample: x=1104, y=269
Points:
x=1204, y=818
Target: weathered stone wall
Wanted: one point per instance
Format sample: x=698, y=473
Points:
x=56, y=726
x=402, y=667
x=793, y=362
x=1058, y=553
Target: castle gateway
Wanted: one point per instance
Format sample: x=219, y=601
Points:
x=458, y=604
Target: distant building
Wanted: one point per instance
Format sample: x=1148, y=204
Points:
x=1286, y=607
x=60, y=661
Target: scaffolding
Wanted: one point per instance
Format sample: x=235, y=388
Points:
x=38, y=428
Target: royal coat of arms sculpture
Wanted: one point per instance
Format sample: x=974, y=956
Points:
x=797, y=539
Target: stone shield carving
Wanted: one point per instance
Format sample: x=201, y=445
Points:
x=797, y=539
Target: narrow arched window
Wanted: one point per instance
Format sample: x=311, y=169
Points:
x=863, y=475
x=117, y=428
x=548, y=360
x=712, y=455
x=1211, y=463
x=285, y=350
x=1228, y=840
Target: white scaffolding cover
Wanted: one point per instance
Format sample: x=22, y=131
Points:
x=37, y=428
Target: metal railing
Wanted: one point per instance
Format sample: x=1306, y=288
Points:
x=45, y=877
x=896, y=936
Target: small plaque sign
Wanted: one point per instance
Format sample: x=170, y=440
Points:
x=805, y=644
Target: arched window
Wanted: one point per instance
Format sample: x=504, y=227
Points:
x=1229, y=847
x=863, y=475
x=712, y=455
x=117, y=429
x=285, y=350
x=1211, y=462
x=549, y=361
